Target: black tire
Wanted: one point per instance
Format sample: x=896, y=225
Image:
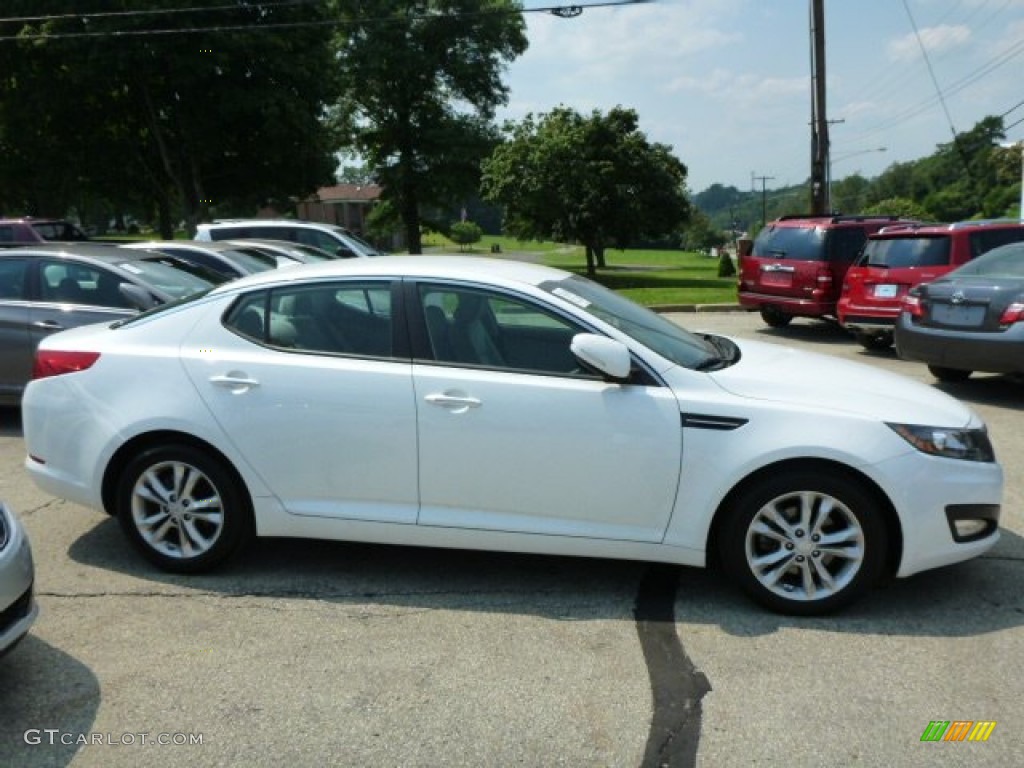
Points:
x=950, y=375
x=158, y=495
x=774, y=317
x=874, y=342
x=765, y=523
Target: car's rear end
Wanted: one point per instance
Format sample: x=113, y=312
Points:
x=797, y=264
x=891, y=264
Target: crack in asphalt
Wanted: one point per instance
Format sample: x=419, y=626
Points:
x=677, y=686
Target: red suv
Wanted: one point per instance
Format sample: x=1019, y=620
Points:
x=797, y=264
x=898, y=258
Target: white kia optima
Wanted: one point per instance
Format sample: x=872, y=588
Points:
x=477, y=403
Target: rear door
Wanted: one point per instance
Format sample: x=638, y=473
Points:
x=784, y=260
x=15, y=338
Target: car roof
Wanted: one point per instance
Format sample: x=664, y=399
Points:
x=105, y=252
x=506, y=272
x=827, y=220
x=271, y=223
x=218, y=246
x=910, y=229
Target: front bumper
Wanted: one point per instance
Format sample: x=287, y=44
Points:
x=18, y=607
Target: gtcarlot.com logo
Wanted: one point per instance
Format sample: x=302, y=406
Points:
x=958, y=730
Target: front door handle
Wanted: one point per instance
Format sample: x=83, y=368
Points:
x=455, y=403
x=48, y=325
x=236, y=382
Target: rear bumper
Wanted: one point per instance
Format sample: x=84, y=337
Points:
x=1001, y=352
x=789, y=305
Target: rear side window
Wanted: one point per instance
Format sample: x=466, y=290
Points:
x=986, y=240
x=12, y=278
x=844, y=244
x=799, y=243
x=900, y=252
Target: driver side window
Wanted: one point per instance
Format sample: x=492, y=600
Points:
x=472, y=327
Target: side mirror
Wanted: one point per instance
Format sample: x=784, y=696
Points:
x=138, y=297
x=608, y=357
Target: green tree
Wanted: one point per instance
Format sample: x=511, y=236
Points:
x=421, y=80
x=144, y=107
x=899, y=206
x=593, y=179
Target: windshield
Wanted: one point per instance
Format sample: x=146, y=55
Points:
x=897, y=252
x=1005, y=261
x=171, y=281
x=649, y=328
x=251, y=260
x=346, y=235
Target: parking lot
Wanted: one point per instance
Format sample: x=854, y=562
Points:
x=311, y=653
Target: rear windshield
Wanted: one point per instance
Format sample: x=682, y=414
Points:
x=58, y=230
x=837, y=244
x=987, y=239
x=897, y=252
x=1005, y=261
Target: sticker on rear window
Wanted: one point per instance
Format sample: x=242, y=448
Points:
x=571, y=297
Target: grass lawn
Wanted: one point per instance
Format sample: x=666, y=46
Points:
x=651, y=278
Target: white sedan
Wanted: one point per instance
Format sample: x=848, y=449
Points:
x=476, y=403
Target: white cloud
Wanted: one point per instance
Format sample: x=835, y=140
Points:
x=934, y=39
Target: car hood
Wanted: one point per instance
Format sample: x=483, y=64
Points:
x=775, y=373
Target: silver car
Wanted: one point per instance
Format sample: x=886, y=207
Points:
x=18, y=608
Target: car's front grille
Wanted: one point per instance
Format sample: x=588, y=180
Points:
x=16, y=611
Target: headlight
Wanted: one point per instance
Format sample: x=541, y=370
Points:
x=967, y=444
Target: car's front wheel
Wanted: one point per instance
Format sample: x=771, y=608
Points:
x=949, y=374
x=775, y=317
x=182, y=509
x=804, y=543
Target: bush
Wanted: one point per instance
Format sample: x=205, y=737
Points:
x=465, y=233
x=725, y=266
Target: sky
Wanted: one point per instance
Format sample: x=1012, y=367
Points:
x=727, y=83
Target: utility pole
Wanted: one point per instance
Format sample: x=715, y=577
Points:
x=764, y=195
x=820, y=204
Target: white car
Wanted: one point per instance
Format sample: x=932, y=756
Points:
x=476, y=403
x=18, y=607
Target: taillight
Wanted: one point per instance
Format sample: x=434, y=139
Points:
x=912, y=306
x=55, y=362
x=1012, y=314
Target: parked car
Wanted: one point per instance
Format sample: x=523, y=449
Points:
x=18, y=608
x=27, y=231
x=895, y=259
x=231, y=261
x=972, y=319
x=797, y=264
x=48, y=288
x=304, y=254
x=477, y=403
x=328, y=237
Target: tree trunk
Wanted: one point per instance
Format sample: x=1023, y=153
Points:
x=164, y=213
x=599, y=256
x=590, y=261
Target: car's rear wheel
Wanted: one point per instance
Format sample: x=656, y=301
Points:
x=775, y=317
x=949, y=374
x=804, y=543
x=182, y=508
x=875, y=342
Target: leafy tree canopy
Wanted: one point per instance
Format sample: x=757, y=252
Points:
x=595, y=179
x=421, y=81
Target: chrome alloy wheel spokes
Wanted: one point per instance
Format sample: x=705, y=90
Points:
x=804, y=545
x=177, y=510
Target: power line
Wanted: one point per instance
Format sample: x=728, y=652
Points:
x=562, y=11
